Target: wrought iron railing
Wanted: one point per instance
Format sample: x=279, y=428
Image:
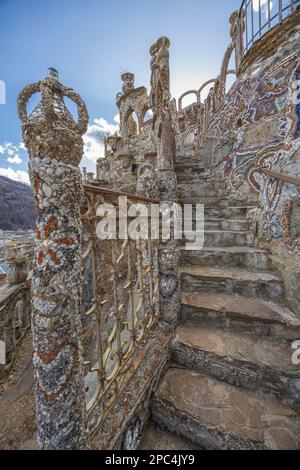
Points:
x=260, y=16
x=120, y=302
x=281, y=176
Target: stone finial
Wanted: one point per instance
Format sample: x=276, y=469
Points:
x=18, y=269
x=128, y=82
x=112, y=142
x=50, y=130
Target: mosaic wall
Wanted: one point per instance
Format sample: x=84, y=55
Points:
x=261, y=110
x=260, y=118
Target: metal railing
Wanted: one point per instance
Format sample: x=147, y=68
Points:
x=281, y=176
x=259, y=16
x=120, y=304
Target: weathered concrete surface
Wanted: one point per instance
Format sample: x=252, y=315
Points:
x=231, y=256
x=241, y=281
x=237, y=313
x=253, y=363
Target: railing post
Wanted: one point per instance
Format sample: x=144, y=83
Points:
x=160, y=100
x=54, y=143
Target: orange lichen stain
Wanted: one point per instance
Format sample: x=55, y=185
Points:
x=51, y=226
x=53, y=256
x=41, y=257
x=37, y=233
x=47, y=358
x=137, y=385
x=65, y=241
x=37, y=182
x=37, y=205
x=126, y=406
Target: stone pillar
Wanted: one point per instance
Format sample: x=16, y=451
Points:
x=160, y=99
x=237, y=28
x=55, y=146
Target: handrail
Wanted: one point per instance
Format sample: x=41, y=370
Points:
x=281, y=176
x=260, y=16
x=120, y=302
x=112, y=192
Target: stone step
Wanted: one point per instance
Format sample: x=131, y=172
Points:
x=245, y=282
x=237, y=313
x=221, y=224
x=260, y=364
x=232, y=212
x=184, y=181
x=155, y=438
x=230, y=256
x=216, y=415
x=190, y=162
x=189, y=168
x=197, y=191
x=216, y=201
x=211, y=202
x=222, y=238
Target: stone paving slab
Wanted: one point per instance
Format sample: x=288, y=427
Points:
x=216, y=415
x=262, y=352
x=155, y=438
x=230, y=256
x=240, y=307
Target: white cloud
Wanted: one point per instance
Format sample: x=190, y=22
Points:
x=117, y=118
x=16, y=159
x=19, y=175
x=93, y=139
x=11, y=149
x=263, y=5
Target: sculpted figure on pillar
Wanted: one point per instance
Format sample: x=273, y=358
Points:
x=160, y=101
x=128, y=82
x=160, y=79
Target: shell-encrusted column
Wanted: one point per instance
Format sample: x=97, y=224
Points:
x=55, y=146
x=160, y=99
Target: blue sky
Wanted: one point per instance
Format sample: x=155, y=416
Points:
x=91, y=42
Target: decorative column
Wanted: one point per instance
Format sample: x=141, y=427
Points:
x=55, y=146
x=160, y=100
x=237, y=28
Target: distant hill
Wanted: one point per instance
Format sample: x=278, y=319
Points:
x=16, y=205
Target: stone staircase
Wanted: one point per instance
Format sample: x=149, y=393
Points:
x=230, y=383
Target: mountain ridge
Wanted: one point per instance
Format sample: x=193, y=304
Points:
x=17, y=209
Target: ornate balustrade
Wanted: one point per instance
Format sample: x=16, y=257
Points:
x=120, y=300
